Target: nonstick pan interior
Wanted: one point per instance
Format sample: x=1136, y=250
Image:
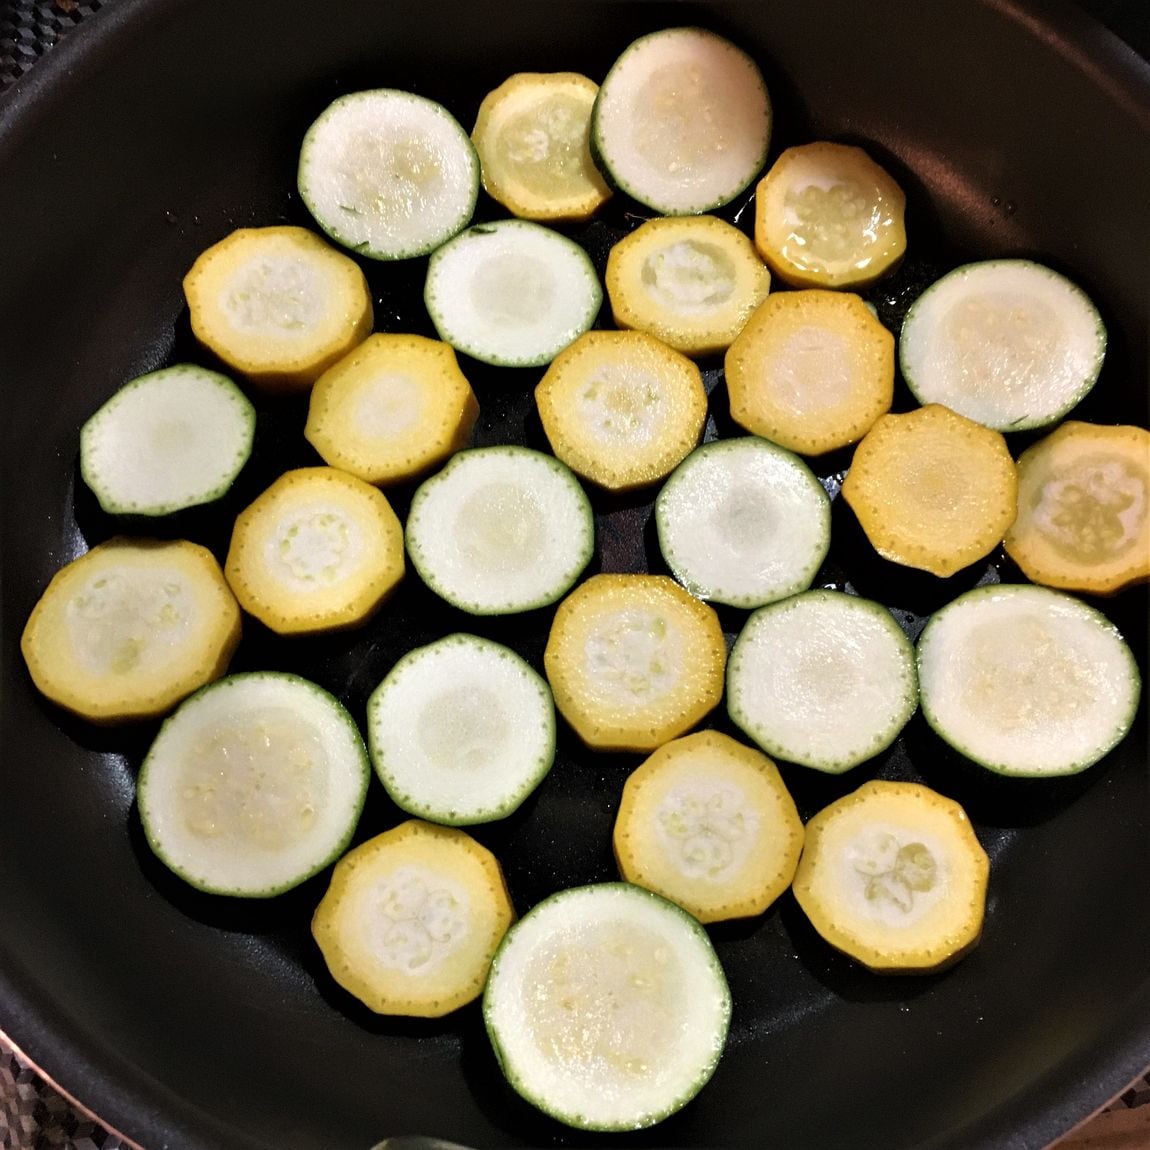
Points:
x=200, y=1023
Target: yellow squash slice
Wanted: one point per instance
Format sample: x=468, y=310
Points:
x=392, y=409
x=1084, y=509
x=319, y=550
x=811, y=371
x=894, y=876
x=634, y=660
x=691, y=281
x=412, y=918
x=131, y=628
x=278, y=305
x=709, y=823
x=826, y=215
x=533, y=139
x=621, y=408
x=932, y=489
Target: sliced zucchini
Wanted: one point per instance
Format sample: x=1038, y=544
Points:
x=894, y=876
x=1027, y=681
x=461, y=731
x=607, y=1007
x=682, y=121
x=533, y=139
x=932, y=489
x=412, y=918
x=254, y=785
x=621, y=408
x=1010, y=344
x=278, y=305
x=169, y=440
x=389, y=174
x=319, y=550
x=709, y=824
x=1084, y=509
x=392, y=409
x=823, y=679
x=826, y=215
x=690, y=281
x=743, y=522
x=811, y=370
x=500, y=530
x=633, y=661
x=129, y=629
x=511, y=293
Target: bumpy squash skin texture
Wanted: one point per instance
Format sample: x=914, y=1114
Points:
x=944, y=944
x=932, y=489
x=681, y=651
x=1084, y=509
x=670, y=839
x=114, y=695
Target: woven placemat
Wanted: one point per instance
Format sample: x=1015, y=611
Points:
x=33, y=1115
x=29, y=28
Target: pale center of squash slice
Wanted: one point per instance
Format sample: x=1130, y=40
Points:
x=623, y=405
x=708, y=829
x=994, y=343
x=811, y=371
x=275, y=297
x=606, y=1003
x=831, y=221
x=500, y=527
x=1021, y=676
x=1093, y=510
x=129, y=622
x=633, y=653
x=546, y=144
x=689, y=276
x=389, y=406
x=744, y=523
x=683, y=122
x=518, y=292
x=417, y=919
x=894, y=874
x=314, y=547
x=389, y=173
x=257, y=783
x=464, y=728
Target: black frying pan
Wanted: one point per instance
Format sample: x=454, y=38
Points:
x=198, y=1023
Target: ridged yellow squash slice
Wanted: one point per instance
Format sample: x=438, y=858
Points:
x=533, y=139
x=392, y=409
x=621, y=408
x=412, y=919
x=1084, y=509
x=932, y=489
x=709, y=823
x=319, y=550
x=811, y=371
x=894, y=876
x=634, y=660
x=130, y=628
x=278, y=305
